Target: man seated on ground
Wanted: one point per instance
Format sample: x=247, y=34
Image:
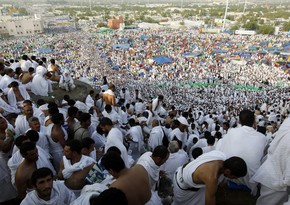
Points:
x=109, y=96
x=54, y=69
x=17, y=94
x=74, y=167
x=6, y=107
x=133, y=182
x=81, y=128
x=197, y=182
x=26, y=78
x=21, y=123
x=66, y=82
x=47, y=191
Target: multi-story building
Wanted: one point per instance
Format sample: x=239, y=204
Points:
x=20, y=26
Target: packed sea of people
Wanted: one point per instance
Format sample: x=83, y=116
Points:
x=191, y=109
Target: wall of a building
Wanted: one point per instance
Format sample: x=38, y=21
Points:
x=21, y=27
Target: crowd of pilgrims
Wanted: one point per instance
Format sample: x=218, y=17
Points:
x=132, y=131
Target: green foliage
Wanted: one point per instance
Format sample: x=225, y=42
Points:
x=165, y=14
x=261, y=21
x=277, y=14
x=266, y=29
x=235, y=27
x=129, y=22
x=231, y=18
x=22, y=11
x=208, y=21
x=251, y=25
x=150, y=20
x=101, y=24
x=176, y=11
x=276, y=23
x=286, y=26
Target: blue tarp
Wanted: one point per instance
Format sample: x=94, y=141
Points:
x=44, y=50
x=264, y=43
x=263, y=52
x=142, y=37
x=286, y=44
x=271, y=48
x=219, y=51
x=122, y=46
x=162, y=60
x=191, y=54
x=253, y=48
x=124, y=40
x=68, y=61
x=116, y=67
x=275, y=52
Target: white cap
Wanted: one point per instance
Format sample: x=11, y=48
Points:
x=142, y=119
x=183, y=121
x=43, y=107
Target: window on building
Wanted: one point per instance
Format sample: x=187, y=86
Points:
x=21, y=32
x=4, y=27
x=17, y=32
x=19, y=26
x=0, y=27
x=15, y=26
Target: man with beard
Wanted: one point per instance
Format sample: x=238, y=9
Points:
x=47, y=191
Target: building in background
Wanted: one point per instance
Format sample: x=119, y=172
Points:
x=20, y=26
x=115, y=23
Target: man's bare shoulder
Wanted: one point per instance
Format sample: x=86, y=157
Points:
x=24, y=172
x=207, y=172
x=138, y=167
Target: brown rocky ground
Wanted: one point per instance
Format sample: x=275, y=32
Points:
x=79, y=93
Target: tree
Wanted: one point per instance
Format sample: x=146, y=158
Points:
x=231, y=18
x=286, y=26
x=129, y=22
x=261, y=21
x=235, y=27
x=266, y=29
x=22, y=11
x=251, y=25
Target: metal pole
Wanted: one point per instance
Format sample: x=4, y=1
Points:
x=245, y=5
x=225, y=17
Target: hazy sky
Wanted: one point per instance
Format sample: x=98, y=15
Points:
x=131, y=1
